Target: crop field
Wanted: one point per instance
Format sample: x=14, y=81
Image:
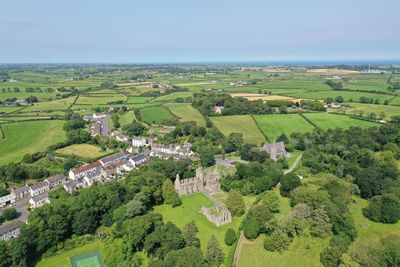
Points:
x=127, y=118
x=173, y=96
x=243, y=124
x=155, y=114
x=82, y=150
x=347, y=95
x=388, y=110
x=186, y=113
x=29, y=137
x=276, y=124
x=327, y=121
x=190, y=211
x=138, y=99
x=99, y=99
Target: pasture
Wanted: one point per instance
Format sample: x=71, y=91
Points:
x=173, y=96
x=387, y=110
x=138, y=100
x=29, y=137
x=99, y=99
x=127, y=118
x=276, y=124
x=348, y=96
x=185, y=112
x=190, y=211
x=327, y=121
x=82, y=150
x=156, y=114
x=243, y=124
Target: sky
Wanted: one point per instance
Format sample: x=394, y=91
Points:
x=179, y=31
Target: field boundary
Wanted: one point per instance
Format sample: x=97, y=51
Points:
x=309, y=121
x=259, y=128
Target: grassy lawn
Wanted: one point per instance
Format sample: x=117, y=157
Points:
x=366, y=227
x=64, y=259
x=29, y=137
x=329, y=121
x=83, y=150
x=243, y=124
x=186, y=113
x=156, y=114
x=275, y=125
x=190, y=211
x=368, y=108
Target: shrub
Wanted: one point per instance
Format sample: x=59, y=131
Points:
x=277, y=241
x=230, y=237
x=252, y=229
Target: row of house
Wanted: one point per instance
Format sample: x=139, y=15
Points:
x=171, y=151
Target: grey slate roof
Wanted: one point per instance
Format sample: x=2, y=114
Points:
x=39, y=185
x=114, y=157
x=40, y=197
x=56, y=178
x=21, y=190
x=10, y=226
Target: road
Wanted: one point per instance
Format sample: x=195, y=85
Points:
x=294, y=165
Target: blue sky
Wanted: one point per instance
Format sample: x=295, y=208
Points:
x=123, y=31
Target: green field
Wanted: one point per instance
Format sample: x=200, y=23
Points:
x=64, y=259
x=99, y=99
x=347, y=95
x=90, y=259
x=190, y=211
x=186, y=113
x=156, y=114
x=138, y=99
x=29, y=137
x=59, y=104
x=388, y=110
x=276, y=124
x=327, y=121
x=243, y=124
x=127, y=118
x=173, y=96
x=82, y=150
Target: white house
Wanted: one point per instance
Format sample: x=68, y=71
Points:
x=8, y=200
x=56, y=180
x=138, y=159
x=138, y=141
x=73, y=185
x=80, y=172
x=21, y=192
x=39, y=200
x=120, y=137
x=10, y=230
x=39, y=188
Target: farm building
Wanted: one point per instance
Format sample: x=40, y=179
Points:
x=276, y=150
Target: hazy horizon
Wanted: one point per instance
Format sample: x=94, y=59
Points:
x=176, y=31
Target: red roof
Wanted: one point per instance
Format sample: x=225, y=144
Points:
x=86, y=167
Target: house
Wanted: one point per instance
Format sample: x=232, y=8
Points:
x=39, y=188
x=138, y=141
x=171, y=151
x=114, y=169
x=7, y=200
x=22, y=192
x=10, y=230
x=139, y=159
x=276, y=150
x=120, y=137
x=95, y=128
x=80, y=172
x=39, y=200
x=73, y=185
x=114, y=158
x=93, y=177
x=56, y=180
x=95, y=117
x=218, y=109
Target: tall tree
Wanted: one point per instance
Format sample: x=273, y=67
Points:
x=189, y=235
x=169, y=193
x=214, y=255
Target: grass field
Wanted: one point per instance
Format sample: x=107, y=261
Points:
x=327, y=121
x=347, y=95
x=186, y=113
x=138, y=99
x=82, y=150
x=127, y=118
x=156, y=114
x=64, y=259
x=173, y=96
x=276, y=124
x=99, y=99
x=368, y=108
x=243, y=124
x=29, y=137
x=190, y=211
x=59, y=104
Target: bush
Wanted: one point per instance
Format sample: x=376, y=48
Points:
x=235, y=203
x=289, y=182
x=10, y=214
x=277, y=241
x=385, y=209
x=230, y=237
x=252, y=229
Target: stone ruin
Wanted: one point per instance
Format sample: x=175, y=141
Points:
x=206, y=182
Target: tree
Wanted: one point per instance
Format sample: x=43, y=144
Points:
x=214, y=254
x=385, y=209
x=235, y=203
x=188, y=256
x=271, y=200
x=10, y=214
x=277, y=241
x=189, y=235
x=136, y=206
x=135, y=128
x=368, y=252
x=339, y=99
x=230, y=237
x=5, y=259
x=320, y=223
x=251, y=229
x=289, y=182
x=283, y=138
x=207, y=158
x=169, y=193
x=233, y=142
x=391, y=246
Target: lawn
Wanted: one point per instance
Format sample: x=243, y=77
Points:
x=186, y=113
x=64, y=259
x=243, y=124
x=327, y=121
x=83, y=150
x=368, y=108
x=276, y=124
x=29, y=137
x=156, y=114
x=190, y=211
